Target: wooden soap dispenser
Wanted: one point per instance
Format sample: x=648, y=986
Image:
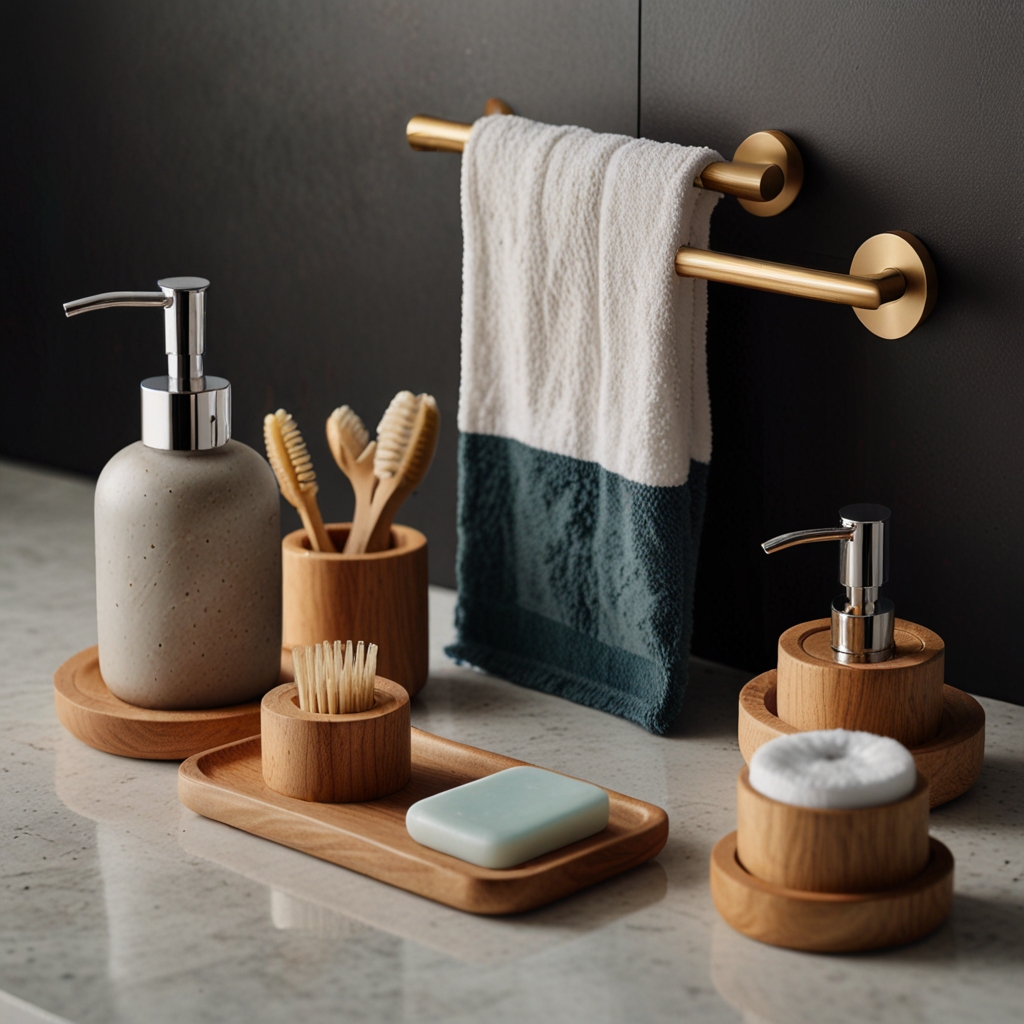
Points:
x=864, y=669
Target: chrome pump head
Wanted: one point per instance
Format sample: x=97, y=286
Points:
x=862, y=622
x=186, y=410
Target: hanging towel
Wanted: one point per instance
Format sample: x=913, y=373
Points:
x=585, y=427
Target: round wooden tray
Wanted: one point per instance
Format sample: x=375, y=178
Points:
x=820, y=922
x=89, y=711
x=950, y=761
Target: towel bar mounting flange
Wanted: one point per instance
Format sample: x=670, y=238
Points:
x=765, y=175
x=891, y=284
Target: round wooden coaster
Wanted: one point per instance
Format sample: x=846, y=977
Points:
x=950, y=761
x=820, y=922
x=89, y=711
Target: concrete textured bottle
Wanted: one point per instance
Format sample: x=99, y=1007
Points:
x=188, y=537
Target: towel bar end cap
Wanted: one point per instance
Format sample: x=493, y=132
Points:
x=902, y=251
x=773, y=147
x=496, y=105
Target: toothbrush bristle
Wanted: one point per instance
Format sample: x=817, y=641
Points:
x=299, y=668
x=420, y=453
x=327, y=654
x=351, y=431
x=393, y=434
x=333, y=679
x=298, y=454
x=311, y=680
x=277, y=456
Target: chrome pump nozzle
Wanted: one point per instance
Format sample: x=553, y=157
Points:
x=862, y=622
x=186, y=410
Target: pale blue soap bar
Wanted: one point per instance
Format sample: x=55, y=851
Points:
x=509, y=817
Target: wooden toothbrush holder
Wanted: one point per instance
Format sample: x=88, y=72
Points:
x=331, y=759
x=379, y=597
x=830, y=880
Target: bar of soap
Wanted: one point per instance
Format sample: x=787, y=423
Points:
x=509, y=817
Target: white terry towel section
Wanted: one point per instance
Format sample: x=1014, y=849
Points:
x=595, y=348
x=835, y=768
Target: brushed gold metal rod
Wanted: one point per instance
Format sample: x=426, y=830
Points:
x=823, y=285
x=432, y=133
x=759, y=183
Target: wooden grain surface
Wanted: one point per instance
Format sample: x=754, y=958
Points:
x=901, y=697
x=89, y=711
x=227, y=784
x=831, y=850
x=379, y=597
x=336, y=758
x=951, y=761
x=831, y=922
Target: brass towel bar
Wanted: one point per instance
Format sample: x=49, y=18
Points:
x=765, y=174
x=891, y=285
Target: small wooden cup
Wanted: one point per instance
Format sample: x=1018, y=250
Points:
x=832, y=881
x=379, y=597
x=815, y=849
x=333, y=759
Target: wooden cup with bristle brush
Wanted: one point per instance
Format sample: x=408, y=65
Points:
x=338, y=734
x=370, y=577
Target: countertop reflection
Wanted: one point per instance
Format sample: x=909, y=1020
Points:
x=118, y=904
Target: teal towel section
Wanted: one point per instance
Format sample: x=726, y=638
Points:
x=574, y=580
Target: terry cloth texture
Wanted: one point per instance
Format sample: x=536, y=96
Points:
x=583, y=411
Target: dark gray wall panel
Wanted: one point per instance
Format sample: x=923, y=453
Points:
x=262, y=145
x=908, y=116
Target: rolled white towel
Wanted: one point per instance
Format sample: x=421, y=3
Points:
x=833, y=768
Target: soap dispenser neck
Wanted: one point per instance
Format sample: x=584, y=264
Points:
x=185, y=332
x=862, y=621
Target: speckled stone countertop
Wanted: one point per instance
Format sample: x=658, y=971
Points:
x=118, y=904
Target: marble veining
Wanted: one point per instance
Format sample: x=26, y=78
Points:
x=118, y=904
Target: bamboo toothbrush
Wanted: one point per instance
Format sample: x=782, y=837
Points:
x=406, y=441
x=353, y=451
x=293, y=468
x=332, y=679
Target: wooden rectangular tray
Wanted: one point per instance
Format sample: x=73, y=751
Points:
x=226, y=784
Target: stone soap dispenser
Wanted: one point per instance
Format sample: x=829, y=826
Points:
x=188, y=538
x=864, y=669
